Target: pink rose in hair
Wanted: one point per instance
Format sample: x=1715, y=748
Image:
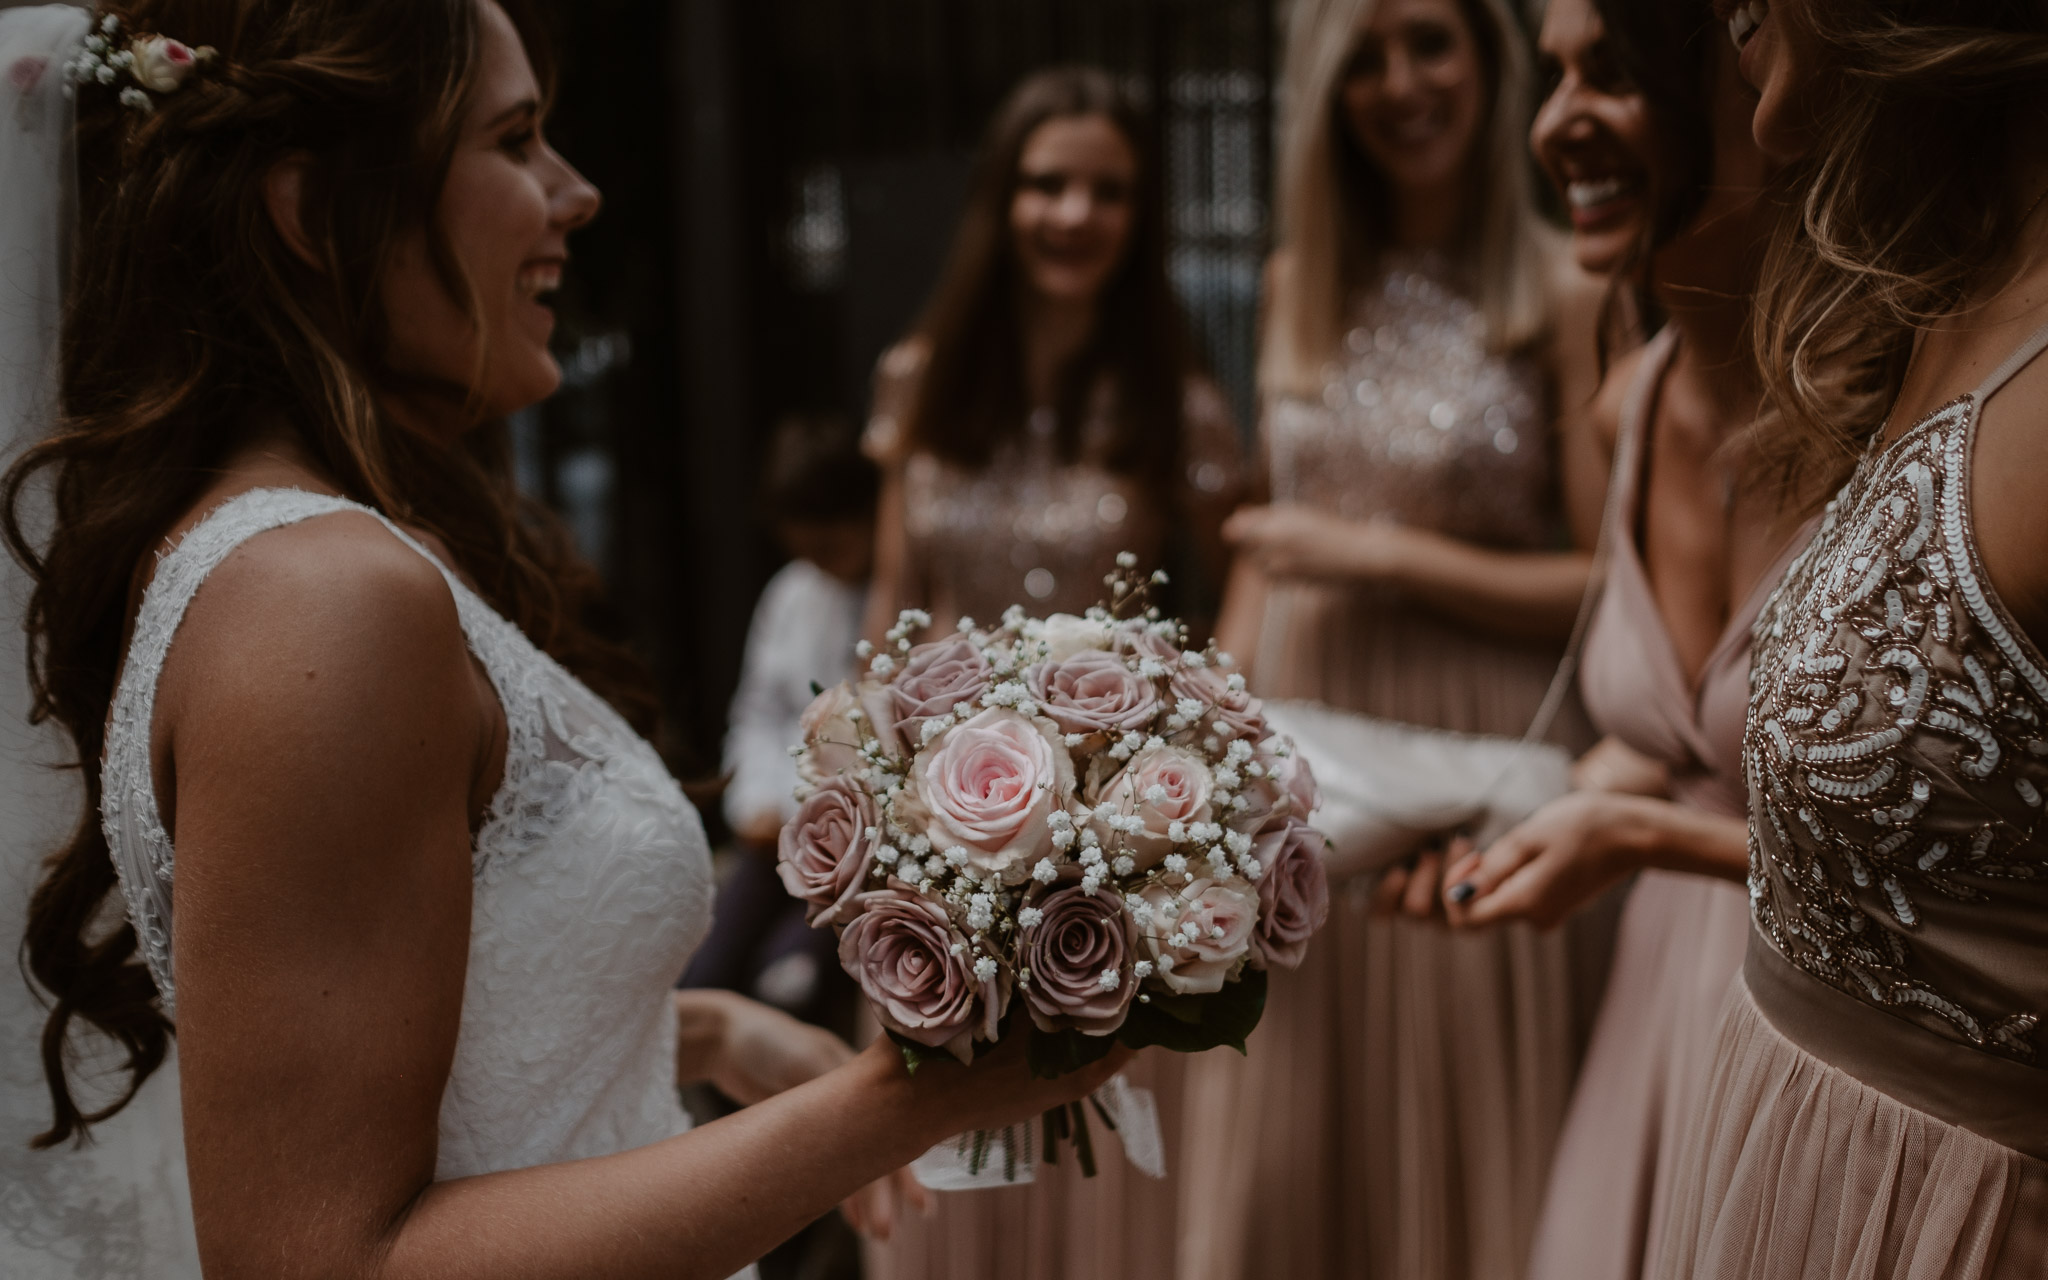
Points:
x=1093, y=691
x=1294, y=891
x=825, y=853
x=989, y=787
x=936, y=678
x=1079, y=955
x=899, y=948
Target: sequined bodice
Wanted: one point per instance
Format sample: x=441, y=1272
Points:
x=1897, y=759
x=1419, y=422
x=1030, y=528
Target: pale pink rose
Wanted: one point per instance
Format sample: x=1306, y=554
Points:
x=1288, y=790
x=1160, y=786
x=1079, y=956
x=936, y=678
x=1215, y=924
x=1239, y=712
x=989, y=787
x=1065, y=635
x=1294, y=892
x=161, y=63
x=899, y=948
x=1093, y=691
x=825, y=853
x=831, y=738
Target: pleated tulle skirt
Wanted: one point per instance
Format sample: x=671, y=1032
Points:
x=1398, y=1110
x=1680, y=946
x=1795, y=1170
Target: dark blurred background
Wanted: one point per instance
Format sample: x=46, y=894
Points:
x=781, y=180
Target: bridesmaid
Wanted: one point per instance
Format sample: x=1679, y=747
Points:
x=1646, y=133
x=1878, y=1100
x=1047, y=415
x=1397, y=1110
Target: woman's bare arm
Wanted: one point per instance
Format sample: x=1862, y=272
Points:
x=329, y=738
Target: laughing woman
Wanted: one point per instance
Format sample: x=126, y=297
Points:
x=1397, y=1111
x=1878, y=1103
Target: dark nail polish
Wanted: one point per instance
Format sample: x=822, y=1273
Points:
x=1463, y=892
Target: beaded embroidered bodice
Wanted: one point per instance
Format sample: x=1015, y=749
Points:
x=1897, y=757
x=592, y=881
x=1420, y=422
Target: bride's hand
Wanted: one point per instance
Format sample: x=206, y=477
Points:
x=998, y=1088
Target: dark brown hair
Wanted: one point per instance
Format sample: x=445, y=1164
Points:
x=972, y=395
x=1904, y=200
x=190, y=325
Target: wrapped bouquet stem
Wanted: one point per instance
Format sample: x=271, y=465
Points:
x=1076, y=829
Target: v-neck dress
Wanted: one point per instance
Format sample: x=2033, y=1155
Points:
x=1877, y=1104
x=1682, y=936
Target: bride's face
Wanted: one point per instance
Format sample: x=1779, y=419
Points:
x=506, y=212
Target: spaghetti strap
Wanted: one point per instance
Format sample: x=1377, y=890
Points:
x=2015, y=362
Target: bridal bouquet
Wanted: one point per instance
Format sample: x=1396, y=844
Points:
x=1072, y=828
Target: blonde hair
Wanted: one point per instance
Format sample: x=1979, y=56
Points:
x=1905, y=198
x=1331, y=235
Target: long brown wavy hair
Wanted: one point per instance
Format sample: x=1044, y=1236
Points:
x=1903, y=202
x=972, y=395
x=189, y=325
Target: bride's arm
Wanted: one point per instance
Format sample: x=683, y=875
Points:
x=328, y=741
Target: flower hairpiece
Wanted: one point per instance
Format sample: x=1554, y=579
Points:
x=156, y=64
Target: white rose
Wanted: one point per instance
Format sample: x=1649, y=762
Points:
x=1067, y=635
x=161, y=63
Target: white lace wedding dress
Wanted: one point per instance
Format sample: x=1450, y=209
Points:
x=592, y=881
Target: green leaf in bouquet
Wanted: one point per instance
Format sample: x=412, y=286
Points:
x=1192, y=1024
x=915, y=1055
x=1052, y=1054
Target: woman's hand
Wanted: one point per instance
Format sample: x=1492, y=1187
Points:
x=1562, y=857
x=1292, y=541
x=1613, y=765
x=747, y=1050
x=1414, y=887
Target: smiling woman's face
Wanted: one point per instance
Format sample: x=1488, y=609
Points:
x=1074, y=208
x=506, y=212
x=1414, y=94
x=1779, y=59
x=1594, y=137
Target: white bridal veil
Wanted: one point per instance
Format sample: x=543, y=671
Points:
x=119, y=1208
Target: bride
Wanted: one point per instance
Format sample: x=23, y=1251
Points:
x=394, y=862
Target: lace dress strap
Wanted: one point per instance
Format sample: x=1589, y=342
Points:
x=136, y=839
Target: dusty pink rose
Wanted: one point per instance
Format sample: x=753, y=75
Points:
x=899, y=948
x=1079, y=956
x=936, y=678
x=1160, y=786
x=1288, y=790
x=1237, y=711
x=989, y=787
x=1294, y=892
x=832, y=738
x=1093, y=691
x=825, y=853
x=1199, y=934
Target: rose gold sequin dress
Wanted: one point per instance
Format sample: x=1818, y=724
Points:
x=1396, y=1113
x=1034, y=531
x=1878, y=1102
